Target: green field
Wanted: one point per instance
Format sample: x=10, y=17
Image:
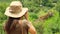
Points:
x=37, y=8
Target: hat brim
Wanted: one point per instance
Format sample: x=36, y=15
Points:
x=7, y=13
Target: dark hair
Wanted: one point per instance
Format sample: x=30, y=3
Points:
x=14, y=24
x=11, y=24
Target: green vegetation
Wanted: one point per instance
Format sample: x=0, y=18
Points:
x=36, y=9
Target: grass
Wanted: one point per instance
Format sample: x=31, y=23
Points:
x=49, y=26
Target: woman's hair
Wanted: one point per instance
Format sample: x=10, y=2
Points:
x=11, y=24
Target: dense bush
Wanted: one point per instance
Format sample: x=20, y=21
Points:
x=49, y=26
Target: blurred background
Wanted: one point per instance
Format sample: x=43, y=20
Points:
x=44, y=15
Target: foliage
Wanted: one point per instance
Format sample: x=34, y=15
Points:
x=36, y=9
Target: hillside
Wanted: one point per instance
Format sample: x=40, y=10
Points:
x=38, y=8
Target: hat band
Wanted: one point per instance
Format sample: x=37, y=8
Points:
x=15, y=12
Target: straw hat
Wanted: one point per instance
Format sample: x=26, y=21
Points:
x=15, y=14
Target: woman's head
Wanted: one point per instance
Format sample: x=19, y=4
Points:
x=15, y=6
x=15, y=10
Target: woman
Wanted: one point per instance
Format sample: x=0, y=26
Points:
x=16, y=23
